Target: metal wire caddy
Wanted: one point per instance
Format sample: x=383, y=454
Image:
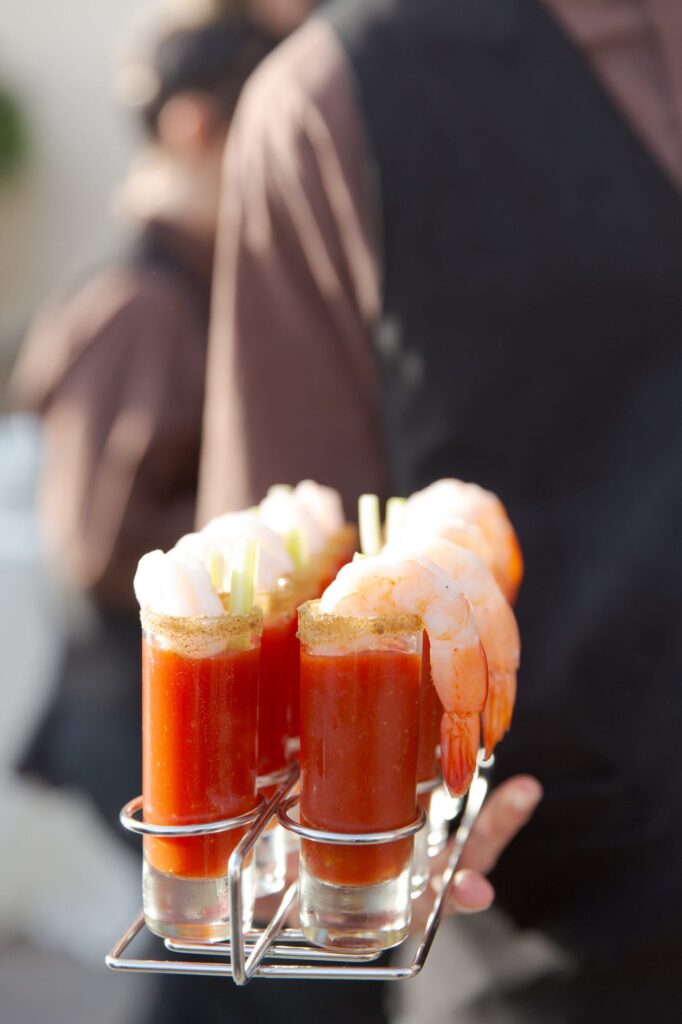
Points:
x=275, y=951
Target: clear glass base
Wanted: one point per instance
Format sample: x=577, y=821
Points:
x=197, y=909
x=442, y=810
x=271, y=861
x=355, y=918
x=420, y=862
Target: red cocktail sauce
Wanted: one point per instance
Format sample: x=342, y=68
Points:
x=199, y=727
x=359, y=715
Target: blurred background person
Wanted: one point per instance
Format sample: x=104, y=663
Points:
x=116, y=371
x=115, y=368
x=450, y=245
x=64, y=882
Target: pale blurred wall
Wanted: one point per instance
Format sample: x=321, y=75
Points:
x=58, y=57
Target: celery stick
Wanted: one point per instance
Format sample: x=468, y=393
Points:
x=244, y=568
x=370, y=524
x=297, y=546
x=215, y=568
x=395, y=514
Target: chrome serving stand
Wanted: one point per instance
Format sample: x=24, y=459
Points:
x=275, y=951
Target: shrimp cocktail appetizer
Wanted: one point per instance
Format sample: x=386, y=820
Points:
x=276, y=596
x=359, y=711
x=279, y=654
x=340, y=537
x=309, y=519
x=360, y=687
x=200, y=667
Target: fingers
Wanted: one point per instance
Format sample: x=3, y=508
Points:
x=469, y=894
x=504, y=813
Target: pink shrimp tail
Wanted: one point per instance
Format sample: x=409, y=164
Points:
x=459, y=741
x=499, y=707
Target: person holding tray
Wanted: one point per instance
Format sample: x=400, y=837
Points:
x=451, y=246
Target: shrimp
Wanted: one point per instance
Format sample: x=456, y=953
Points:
x=497, y=628
x=175, y=584
x=411, y=584
x=324, y=503
x=214, y=546
x=232, y=525
x=458, y=531
x=473, y=503
x=282, y=511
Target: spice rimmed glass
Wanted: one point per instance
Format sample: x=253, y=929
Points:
x=428, y=767
x=199, y=732
x=360, y=685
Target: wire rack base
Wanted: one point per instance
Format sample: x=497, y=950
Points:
x=279, y=952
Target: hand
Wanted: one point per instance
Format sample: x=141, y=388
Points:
x=509, y=807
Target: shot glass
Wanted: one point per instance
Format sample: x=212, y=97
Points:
x=306, y=586
x=199, y=734
x=360, y=683
x=278, y=676
x=428, y=771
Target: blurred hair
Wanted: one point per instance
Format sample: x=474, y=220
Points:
x=213, y=56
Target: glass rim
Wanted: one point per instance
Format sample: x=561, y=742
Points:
x=316, y=627
x=201, y=627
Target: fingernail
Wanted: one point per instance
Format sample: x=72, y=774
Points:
x=525, y=794
x=472, y=891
